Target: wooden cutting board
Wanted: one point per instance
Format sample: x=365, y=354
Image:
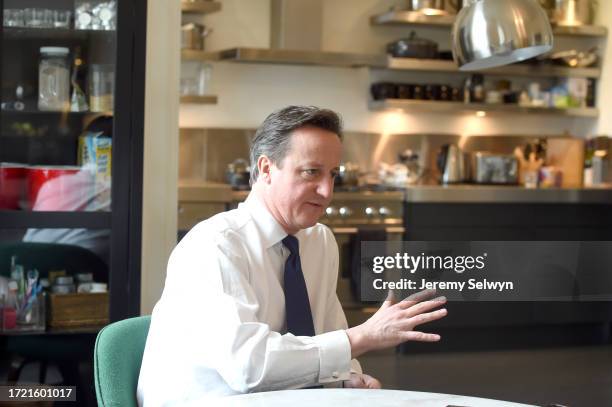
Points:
x=567, y=154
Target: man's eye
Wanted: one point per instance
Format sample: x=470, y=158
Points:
x=310, y=172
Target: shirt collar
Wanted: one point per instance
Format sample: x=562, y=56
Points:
x=272, y=231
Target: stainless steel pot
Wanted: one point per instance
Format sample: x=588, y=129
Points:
x=193, y=35
x=574, y=12
x=429, y=7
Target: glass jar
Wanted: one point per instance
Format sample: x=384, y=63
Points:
x=54, y=79
x=195, y=79
x=101, y=87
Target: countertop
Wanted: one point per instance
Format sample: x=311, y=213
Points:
x=505, y=194
x=199, y=191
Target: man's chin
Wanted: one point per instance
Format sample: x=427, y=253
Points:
x=309, y=221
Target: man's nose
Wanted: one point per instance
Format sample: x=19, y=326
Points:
x=325, y=187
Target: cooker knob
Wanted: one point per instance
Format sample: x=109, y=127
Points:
x=370, y=212
x=384, y=211
x=331, y=211
x=345, y=212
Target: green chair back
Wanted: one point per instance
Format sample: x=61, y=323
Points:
x=117, y=360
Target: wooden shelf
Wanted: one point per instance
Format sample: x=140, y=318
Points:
x=409, y=105
x=400, y=17
x=351, y=60
x=405, y=17
x=64, y=220
x=200, y=6
x=542, y=70
x=201, y=100
x=300, y=57
x=202, y=56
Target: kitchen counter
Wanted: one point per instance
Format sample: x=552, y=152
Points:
x=202, y=191
x=222, y=193
x=506, y=194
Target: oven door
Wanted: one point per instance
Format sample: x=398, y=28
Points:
x=356, y=311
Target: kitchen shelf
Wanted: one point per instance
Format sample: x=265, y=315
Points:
x=409, y=105
x=542, y=70
x=53, y=113
x=64, y=220
x=402, y=17
x=28, y=33
x=380, y=61
x=295, y=57
x=200, y=6
x=202, y=100
x=195, y=55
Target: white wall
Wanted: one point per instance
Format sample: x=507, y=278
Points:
x=159, y=218
x=248, y=92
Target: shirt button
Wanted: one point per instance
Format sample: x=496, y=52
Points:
x=335, y=375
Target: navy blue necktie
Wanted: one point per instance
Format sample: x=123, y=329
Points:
x=297, y=306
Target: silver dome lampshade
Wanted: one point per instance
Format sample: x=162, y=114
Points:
x=490, y=33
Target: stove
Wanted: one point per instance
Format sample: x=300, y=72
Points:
x=371, y=205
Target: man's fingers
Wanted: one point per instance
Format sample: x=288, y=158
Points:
x=417, y=297
x=416, y=336
x=426, y=317
x=424, y=306
x=371, y=382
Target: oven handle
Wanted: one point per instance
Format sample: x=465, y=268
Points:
x=353, y=231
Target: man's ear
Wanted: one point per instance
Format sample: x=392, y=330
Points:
x=264, y=165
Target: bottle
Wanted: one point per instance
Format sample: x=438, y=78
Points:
x=467, y=90
x=478, y=91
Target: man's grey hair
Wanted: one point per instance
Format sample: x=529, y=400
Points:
x=273, y=137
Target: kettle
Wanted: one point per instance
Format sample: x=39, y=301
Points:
x=452, y=164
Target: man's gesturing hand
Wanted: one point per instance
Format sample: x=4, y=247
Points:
x=362, y=381
x=394, y=323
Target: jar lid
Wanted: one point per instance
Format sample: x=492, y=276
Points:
x=54, y=50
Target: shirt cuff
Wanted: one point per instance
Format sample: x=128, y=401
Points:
x=334, y=356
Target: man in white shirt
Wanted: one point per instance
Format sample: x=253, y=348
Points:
x=250, y=297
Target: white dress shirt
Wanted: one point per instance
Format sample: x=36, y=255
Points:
x=219, y=327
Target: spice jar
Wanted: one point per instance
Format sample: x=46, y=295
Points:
x=101, y=87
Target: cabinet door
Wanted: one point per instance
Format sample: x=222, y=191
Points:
x=59, y=62
x=71, y=132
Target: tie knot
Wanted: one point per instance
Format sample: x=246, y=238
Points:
x=292, y=244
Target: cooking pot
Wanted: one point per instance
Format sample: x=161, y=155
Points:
x=413, y=47
x=192, y=36
x=573, y=12
x=433, y=7
x=428, y=7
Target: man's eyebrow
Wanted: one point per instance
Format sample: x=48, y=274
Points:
x=311, y=164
